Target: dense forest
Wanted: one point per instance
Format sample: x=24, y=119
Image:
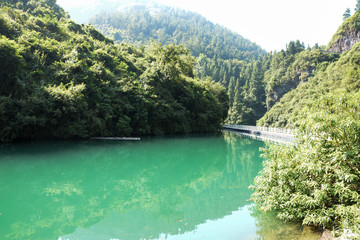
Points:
x=317, y=181
x=60, y=79
x=139, y=24
x=332, y=74
x=222, y=55
x=254, y=80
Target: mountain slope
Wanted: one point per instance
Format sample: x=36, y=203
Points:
x=64, y=80
x=168, y=25
x=347, y=35
x=290, y=68
x=316, y=180
x=220, y=54
x=341, y=74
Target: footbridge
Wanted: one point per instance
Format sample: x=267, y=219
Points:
x=280, y=135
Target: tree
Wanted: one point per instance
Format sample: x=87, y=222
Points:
x=316, y=181
x=346, y=14
x=294, y=47
x=231, y=90
x=357, y=7
x=59, y=79
x=10, y=67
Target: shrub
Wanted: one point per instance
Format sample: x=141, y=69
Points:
x=317, y=181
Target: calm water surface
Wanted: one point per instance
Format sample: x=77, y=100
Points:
x=193, y=187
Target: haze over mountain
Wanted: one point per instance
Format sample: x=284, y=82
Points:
x=82, y=12
x=271, y=24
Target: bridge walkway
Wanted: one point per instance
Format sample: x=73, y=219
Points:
x=280, y=135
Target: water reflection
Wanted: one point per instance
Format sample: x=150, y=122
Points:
x=156, y=188
x=269, y=227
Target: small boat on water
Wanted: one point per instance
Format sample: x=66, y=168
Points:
x=116, y=138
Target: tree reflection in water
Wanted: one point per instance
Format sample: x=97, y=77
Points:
x=125, y=190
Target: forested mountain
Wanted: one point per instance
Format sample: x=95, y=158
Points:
x=316, y=181
x=167, y=25
x=342, y=75
x=290, y=67
x=328, y=74
x=60, y=79
x=347, y=35
x=82, y=12
x=264, y=82
x=221, y=54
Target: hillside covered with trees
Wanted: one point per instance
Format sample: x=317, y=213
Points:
x=317, y=181
x=332, y=74
x=140, y=23
x=254, y=80
x=221, y=54
x=60, y=79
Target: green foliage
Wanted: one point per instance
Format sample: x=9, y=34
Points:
x=44, y=8
x=347, y=14
x=349, y=26
x=60, y=79
x=342, y=74
x=249, y=95
x=317, y=181
x=11, y=67
x=220, y=54
x=290, y=68
x=140, y=24
x=260, y=84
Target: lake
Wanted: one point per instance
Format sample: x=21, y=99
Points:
x=182, y=187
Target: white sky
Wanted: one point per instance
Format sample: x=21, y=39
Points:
x=269, y=23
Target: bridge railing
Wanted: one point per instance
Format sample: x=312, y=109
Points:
x=261, y=129
x=267, y=138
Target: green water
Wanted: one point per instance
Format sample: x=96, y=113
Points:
x=193, y=187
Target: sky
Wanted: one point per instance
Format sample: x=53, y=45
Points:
x=269, y=23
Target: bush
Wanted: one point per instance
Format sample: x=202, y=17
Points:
x=317, y=181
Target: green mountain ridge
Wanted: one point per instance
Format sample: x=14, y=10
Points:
x=316, y=181
x=221, y=54
x=347, y=35
x=65, y=80
x=139, y=24
x=288, y=69
x=255, y=81
x=334, y=74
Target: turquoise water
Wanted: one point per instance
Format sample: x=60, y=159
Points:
x=193, y=187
